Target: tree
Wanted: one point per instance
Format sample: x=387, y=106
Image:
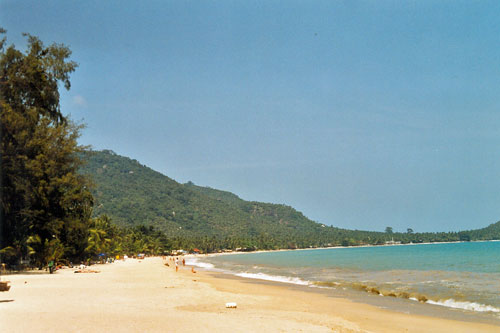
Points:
x=98, y=239
x=409, y=230
x=45, y=202
x=388, y=230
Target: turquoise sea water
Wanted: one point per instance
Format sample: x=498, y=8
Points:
x=464, y=276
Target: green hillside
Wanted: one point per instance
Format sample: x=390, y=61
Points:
x=491, y=232
x=133, y=195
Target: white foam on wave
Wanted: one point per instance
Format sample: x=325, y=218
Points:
x=195, y=262
x=471, y=306
x=275, y=278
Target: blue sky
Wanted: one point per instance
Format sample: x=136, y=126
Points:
x=360, y=114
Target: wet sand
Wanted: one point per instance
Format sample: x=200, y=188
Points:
x=147, y=296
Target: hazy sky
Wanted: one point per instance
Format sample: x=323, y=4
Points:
x=360, y=114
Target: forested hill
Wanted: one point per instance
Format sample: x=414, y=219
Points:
x=133, y=195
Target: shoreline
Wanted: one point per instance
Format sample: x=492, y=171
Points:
x=414, y=301
x=392, y=304
x=338, y=247
x=146, y=295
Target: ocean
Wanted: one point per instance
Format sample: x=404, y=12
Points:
x=461, y=276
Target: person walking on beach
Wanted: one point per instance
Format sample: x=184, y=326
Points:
x=176, y=265
x=183, y=262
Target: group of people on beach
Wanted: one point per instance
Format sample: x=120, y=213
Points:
x=177, y=263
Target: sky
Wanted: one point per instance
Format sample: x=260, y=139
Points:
x=359, y=114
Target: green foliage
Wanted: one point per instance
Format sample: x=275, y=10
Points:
x=45, y=203
x=108, y=239
x=191, y=216
x=132, y=194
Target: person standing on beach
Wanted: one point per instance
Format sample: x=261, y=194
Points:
x=176, y=265
x=183, y=262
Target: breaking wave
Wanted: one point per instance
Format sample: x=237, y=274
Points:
x=195, y=262
x=275, y=278
x=471, y=306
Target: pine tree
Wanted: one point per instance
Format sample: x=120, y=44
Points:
x=45, y=203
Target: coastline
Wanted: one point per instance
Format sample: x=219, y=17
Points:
x=449, y=301
x=392, y=304
x=146, y=295
x=348, y=247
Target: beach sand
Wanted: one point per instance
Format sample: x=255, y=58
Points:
x=147, y=296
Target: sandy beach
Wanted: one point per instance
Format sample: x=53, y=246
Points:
x=147, y=296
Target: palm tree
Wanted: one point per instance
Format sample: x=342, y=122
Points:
x=45, y=250
x=97, y=240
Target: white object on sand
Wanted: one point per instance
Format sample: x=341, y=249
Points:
x=231, y=305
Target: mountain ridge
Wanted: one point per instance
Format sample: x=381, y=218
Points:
x=133, y=194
